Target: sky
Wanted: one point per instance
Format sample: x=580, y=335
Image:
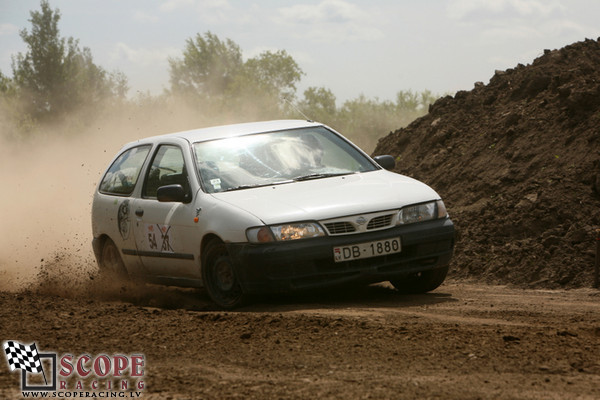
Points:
x=374, y=48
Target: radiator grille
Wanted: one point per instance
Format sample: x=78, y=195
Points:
x=380, y=222
x=336, y=228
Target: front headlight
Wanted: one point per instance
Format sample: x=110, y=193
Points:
x=422, y=212
x=294, y=231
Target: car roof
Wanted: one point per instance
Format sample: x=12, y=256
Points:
x=226, y=131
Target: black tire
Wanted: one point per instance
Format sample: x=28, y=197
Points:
x=421, y=282
x=111, y=264
x=218, y=275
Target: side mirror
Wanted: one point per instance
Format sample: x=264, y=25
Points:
x=387, y=162
x=171, y=193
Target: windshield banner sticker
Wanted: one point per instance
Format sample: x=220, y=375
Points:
x=216, y=183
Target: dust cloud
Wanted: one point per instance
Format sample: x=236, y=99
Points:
x=48, y=181
x=48, y=184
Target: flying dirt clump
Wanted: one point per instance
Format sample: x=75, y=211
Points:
x=517, y=162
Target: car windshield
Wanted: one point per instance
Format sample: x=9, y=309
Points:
x=279, y=157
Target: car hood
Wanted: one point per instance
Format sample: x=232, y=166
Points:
x=332, y=197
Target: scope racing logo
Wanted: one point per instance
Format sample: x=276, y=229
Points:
x=100, y=376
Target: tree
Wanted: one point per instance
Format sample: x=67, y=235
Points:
x=275, y=73
x=5, y=83
x=55, y=76
x=366, y=120
x=319, y=105
x=409, y=101
x=12, y=118
x=208, y=67
x=212, y=76
x=264, y=84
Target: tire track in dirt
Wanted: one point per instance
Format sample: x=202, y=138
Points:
x=461, y=341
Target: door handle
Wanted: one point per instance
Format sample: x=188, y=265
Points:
x=139, y=212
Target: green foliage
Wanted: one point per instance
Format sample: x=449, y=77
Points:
x=414, y=102
x=275, y=73
x=207, y=69
x=13, y=121
x=212, y=79
x=56, y=80
x=7, y=85
x=319, y=105
x=364, y=120
x=212, y=76
x=118, y=85
x=55, y=76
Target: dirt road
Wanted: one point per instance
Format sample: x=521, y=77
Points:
x=463, y=341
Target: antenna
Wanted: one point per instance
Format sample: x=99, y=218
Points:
x=297, y=109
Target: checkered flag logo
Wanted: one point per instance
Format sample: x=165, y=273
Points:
x=24, y=357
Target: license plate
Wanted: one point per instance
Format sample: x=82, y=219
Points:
x=366, y=250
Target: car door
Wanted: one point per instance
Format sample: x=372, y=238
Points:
x=165, y=232
x=112, y=206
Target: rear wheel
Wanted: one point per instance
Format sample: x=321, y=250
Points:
x=111, y=263
x=218, y=275
x=421, y=282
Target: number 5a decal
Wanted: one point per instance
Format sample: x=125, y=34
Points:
x=159, y=238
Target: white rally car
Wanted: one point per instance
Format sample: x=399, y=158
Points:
x=265, y=207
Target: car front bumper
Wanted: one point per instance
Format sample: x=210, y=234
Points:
x=309, y=263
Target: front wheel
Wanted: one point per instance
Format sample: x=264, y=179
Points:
x=219, y=276
x=421, y=282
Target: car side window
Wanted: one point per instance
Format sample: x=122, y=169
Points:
x=167, y=168
x=121, y=177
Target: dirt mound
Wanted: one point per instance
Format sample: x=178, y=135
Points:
x=517, y=162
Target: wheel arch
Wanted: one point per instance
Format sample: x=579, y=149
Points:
x=98, y=244
x=219, y=277
x=117, y=265
x=205, y=241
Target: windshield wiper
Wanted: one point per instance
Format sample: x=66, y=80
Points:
x=257, y=185
x=296, y=179
x=319, y=176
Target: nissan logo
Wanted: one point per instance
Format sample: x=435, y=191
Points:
x=361, y=220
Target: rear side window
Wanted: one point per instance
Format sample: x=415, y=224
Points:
x=121, y=177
